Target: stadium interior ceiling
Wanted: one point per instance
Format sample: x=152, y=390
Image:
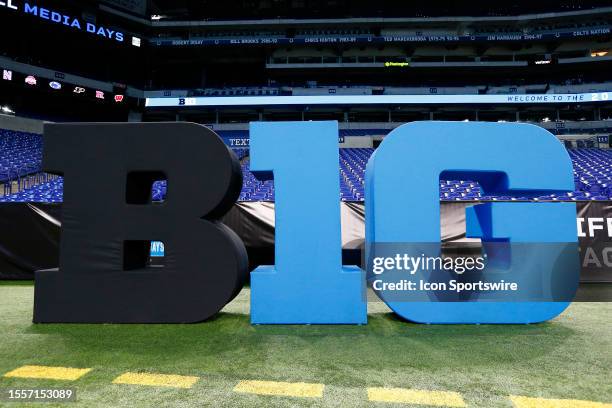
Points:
x=304, y=9
x=205, y=48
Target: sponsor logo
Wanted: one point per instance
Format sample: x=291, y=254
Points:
x=31, y=80
x=396, y=249
x=55, y=85
x=396, y=64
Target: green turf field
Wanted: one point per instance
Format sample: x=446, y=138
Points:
x=568, y=358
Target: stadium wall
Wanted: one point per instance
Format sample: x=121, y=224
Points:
x=20, y=124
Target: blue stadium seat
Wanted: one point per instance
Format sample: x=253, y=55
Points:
x=21, y=157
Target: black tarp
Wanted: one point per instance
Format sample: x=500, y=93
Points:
x=31, y=233
x=29, y=240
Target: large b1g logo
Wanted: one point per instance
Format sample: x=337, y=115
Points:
x=109, y=220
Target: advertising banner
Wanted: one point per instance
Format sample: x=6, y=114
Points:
x=594, y=223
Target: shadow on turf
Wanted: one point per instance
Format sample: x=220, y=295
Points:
x=385, y=341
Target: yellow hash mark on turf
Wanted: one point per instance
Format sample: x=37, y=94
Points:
x=421, y=397
x=287, y=389
x=527, y=402
x=156, y=380
x=50, y=373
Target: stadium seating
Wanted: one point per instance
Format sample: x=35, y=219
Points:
x=592, y=176
x=47, y=192
x=21, y=158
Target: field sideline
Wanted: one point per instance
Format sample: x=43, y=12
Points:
x=567, y=358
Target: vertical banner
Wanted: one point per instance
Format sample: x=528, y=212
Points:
x=594, y=224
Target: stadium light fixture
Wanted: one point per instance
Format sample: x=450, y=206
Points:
x=7, y=110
